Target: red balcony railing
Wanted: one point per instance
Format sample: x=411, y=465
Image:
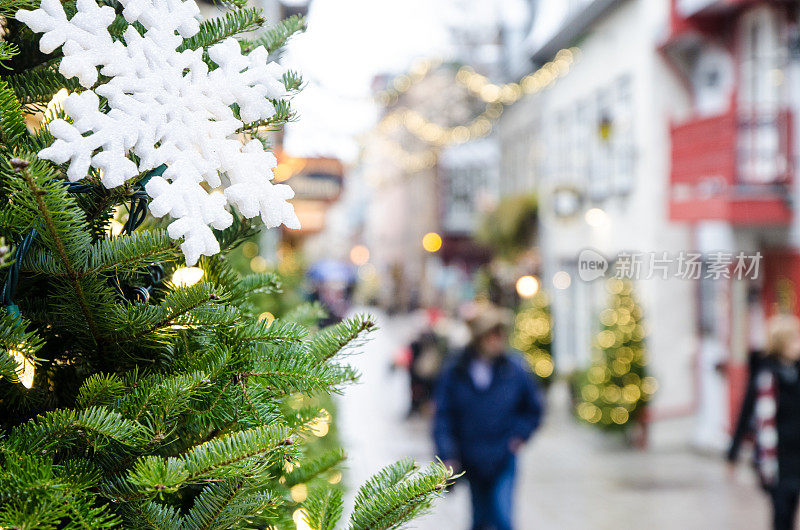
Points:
x=687, y=16
x=735, y=167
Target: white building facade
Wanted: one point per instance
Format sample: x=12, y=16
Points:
x=595, y=147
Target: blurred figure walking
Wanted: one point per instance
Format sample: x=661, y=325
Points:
x=487, y=406
x=771, y=409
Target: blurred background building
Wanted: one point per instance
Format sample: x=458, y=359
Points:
x=639, y=126
x=540, y=129
x=484, y=145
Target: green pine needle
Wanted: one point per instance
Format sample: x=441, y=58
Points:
x=216, y=30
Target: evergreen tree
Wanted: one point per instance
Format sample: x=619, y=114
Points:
x=533, y=335
x=135, y=391
x=615, y=389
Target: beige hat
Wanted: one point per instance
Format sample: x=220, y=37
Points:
x=483, y=317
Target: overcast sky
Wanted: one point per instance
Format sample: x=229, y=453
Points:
x=348, y=42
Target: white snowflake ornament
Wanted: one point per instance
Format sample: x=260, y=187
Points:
x=166, y=108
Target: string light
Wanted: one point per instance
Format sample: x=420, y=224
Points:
x=300, y=519
x=527, y=286
x=187, y=276
x=299, y=493
x=250, y=250
x=259, y=265
x=116, y=228
x=495, y=97
x=55, y=105
x=25, y=369
x=266, y=315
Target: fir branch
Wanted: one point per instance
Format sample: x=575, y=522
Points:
x=324, y=508
x=292, y=81
x=156, y=516
x=14, y=336
x=62, y=427
x=161, y=398
x=249, y=452
x=61, y=231
x=277, y=36
x=276, y=332
x=216, y=30
x=181, y=308
x=283, y=115
x=37, y=86
x=8, y=8
x=251, y=284
x=153, y=475
x=7, y=51
x=340, y=337
x=132, y=251
x=249, y=402
x=313, y=468
x=291, y=369
x=231, y=4
x=100, y=389
x=225, y=504
x=385, y=478
x=12, y=120
x=406, y=493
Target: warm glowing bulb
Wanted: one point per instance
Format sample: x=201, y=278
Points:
x=250, y=250
x=299, y=493
x=25, y=370
x=299, y=518
x=116, y=228
x=432, y=242
x=266, y=315
x=259, y=264
x=359, y=255
x=527, y=286
x=55, y=104
x=187, y=276
x=319, y=428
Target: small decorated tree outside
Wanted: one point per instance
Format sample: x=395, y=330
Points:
x=533, y=335
x=613, y=392
x=138, y=386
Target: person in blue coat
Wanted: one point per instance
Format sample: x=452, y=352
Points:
x=487, y=406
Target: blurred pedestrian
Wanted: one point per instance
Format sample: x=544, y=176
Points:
x=771, y=410
x=487, y=406
x=427, y=354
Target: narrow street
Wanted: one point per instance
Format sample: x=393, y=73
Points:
x=568, y=477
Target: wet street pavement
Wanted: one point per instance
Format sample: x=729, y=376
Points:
x=569, y=477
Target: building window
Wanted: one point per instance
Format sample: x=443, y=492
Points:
x=622, y=137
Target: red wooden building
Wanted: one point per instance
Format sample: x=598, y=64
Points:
x=733, y=160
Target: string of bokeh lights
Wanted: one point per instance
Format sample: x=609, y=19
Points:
x=496, y=98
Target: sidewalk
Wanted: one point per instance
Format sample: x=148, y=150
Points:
x=568, y=477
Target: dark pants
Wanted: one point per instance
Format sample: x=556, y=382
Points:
x=784, y=505
x=492, y=499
